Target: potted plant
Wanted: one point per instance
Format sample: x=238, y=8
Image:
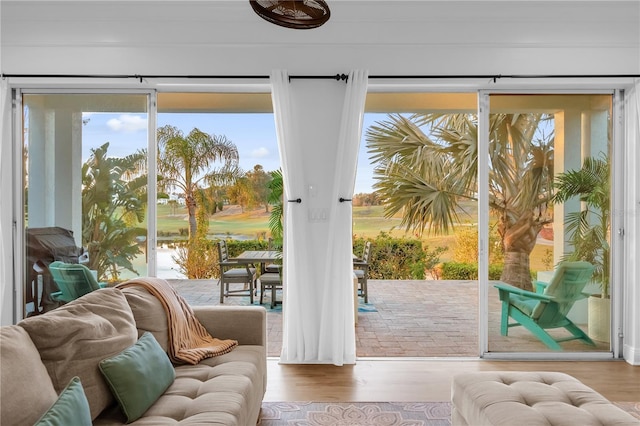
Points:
x=588, y=230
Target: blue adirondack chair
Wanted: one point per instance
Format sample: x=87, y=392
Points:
x=548, y=307
x=73, y=280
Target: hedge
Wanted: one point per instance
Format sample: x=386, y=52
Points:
x=394, y=258
x=468, y=271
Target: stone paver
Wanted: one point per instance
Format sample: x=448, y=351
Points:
x=411, y=319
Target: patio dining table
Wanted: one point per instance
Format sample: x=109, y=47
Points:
x=257, y=256
x=263, y=257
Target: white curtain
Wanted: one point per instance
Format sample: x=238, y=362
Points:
x=6, y=278
x=318, y=126
x=631, y=349
x=339, y=262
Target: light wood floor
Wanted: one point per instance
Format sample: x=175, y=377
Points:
x=429, y=380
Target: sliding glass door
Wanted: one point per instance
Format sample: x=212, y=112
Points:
x=84, y=187
x=549, y=200
x=543, y=197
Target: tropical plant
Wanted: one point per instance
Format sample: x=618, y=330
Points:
x=590, y=227
x=113, y=203
x=198, y=258
x=276, y=192
x=188, y=161
x=425, y=176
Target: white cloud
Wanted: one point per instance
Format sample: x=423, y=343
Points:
x=127, y=123
x=261, y=152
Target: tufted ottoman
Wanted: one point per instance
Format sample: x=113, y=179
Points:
x=530, y=398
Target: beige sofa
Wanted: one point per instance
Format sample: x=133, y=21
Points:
x=40, y=355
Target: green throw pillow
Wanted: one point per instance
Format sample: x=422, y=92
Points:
x=138, y=375
x=71, y=408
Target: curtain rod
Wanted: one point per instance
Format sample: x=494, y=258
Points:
x=338, y=77
x=141, y=77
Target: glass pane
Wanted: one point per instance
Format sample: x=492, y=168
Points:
x=216, y=156
x=85, y=176
x=549, y=197
x=419, y=211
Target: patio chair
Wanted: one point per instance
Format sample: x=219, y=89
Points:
x=548, y=307
x=271, y=267
x=361, y=271
x=73, y=280
x=270, y=281
x=232, y=272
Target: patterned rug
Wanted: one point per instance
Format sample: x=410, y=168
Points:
x=370, y=413
x=355, y=414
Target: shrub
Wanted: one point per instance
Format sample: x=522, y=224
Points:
x=197, y=259
x=459, y=271
x=466, y=248
x=391, y=258
x=398, y=258
x=468, y=271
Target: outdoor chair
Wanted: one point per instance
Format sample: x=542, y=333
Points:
x=234, y=272
x=548, y=307
x=73, y=280
x=271, y=267
x=361, y=271
x=270, y=281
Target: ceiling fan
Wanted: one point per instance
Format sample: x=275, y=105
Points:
x=298, y=14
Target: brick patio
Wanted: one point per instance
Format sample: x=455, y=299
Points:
x=409, y=319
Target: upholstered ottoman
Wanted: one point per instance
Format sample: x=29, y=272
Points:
x=530, y=398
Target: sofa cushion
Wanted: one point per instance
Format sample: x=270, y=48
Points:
x=71, y=408
x=149, y=314
x=25, y=381
x=138, y=375
x=74, y=338
x=227, y=390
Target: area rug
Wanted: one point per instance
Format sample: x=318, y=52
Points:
x=370, y=413
x=355, y=414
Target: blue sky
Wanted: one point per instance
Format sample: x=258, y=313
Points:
x=253, y=134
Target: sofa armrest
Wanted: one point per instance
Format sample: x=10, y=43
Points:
x=246, y=324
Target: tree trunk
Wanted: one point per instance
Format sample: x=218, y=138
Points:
x=519, y=239
x=516, y=270
x=191, y=209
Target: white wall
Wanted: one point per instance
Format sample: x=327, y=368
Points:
x=384, y=37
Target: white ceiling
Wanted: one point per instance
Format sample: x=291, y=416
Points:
x=384, y=36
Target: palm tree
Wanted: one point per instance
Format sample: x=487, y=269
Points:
x=589, y=228
x=187, y=161
x=113, y=202
x=425, y=176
